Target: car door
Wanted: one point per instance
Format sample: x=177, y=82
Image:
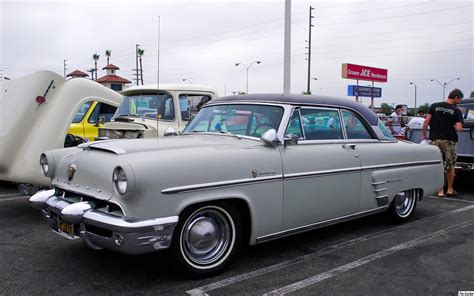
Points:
x=322, y=178
x=93, y=120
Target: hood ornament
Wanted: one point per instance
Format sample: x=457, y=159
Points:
x=70, y=171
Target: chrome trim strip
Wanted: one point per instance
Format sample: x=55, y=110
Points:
x=381, y=196
x=318, y=173
x=401, y=164
x=380, y=190
x=296, y=230
x=380, y=183
x=220, y=184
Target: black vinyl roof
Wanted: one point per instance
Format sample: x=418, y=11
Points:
x=467, y=101
x=370, y=116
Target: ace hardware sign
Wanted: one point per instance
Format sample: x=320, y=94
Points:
x=358, y=72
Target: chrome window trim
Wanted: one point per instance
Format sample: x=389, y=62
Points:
x=316, y=225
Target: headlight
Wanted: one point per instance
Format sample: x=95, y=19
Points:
x=44, y=164
x=120, y=180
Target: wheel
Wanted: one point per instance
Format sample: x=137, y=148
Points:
x=403, y=205
x=206, y=239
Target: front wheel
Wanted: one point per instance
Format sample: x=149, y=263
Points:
x=403, y=205
x=206, y=238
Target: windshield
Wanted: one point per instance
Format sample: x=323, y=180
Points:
x=467, y=111
x=81, y=112
x=246, y=119
x=151, y=106
x=387, y=135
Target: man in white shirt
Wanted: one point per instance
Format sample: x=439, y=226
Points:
x=395, y=121
x=417, y=122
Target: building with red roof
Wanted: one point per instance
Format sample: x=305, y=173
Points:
x=77, y=74
x=111, y=79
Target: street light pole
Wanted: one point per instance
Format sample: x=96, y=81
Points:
x=444, y=84
x=248, y=67
x=136, y=60
x=412, y=83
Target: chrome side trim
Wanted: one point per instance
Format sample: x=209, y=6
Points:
x=220, y=184
x=296, y=230
x=324, y=172
x=401, y=164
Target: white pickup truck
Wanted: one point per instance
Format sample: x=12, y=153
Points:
x=149, y=110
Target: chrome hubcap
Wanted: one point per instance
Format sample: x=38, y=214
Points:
x=404, y=202
x=206, y=236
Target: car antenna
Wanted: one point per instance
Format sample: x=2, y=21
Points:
x=158, y=116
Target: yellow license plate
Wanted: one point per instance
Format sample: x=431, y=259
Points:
x=65, y=228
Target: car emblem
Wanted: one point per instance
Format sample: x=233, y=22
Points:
x=254, y=173
x=70, y=171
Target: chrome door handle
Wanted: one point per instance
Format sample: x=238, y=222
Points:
x=349, y=146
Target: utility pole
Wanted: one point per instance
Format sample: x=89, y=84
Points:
x=64, y=65
x=136, y=62
x=308, y=89
x=287, y=50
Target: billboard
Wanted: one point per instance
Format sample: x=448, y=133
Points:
x=364, y=91
x=351, y=71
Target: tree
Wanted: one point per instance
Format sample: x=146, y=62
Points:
x=95, y=57
x=386, y=108
x=425, y=107
x=108, y=53
x=140, y=52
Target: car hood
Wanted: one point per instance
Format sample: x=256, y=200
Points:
x=144, y=145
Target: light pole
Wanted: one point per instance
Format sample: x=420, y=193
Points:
x=188, y=80
x=248, y=67
x=412, y=83
x=136, y=60
x=444, y=84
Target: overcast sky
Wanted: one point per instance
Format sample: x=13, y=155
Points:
x=202, y=40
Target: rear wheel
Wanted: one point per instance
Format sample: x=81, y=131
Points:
x=206, y=238
x=403, y=205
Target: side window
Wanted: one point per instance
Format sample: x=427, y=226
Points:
x=294, y=128
x=81, y=112
x=102, y=109
x=355, y=129
x=321, y=124
x=184, y=103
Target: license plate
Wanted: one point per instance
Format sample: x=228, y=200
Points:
x=66, y=229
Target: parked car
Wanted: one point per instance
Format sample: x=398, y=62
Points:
x=90, y=116
x=147, y=112
x=35, y=115
x=245, y=170
x=465, y=145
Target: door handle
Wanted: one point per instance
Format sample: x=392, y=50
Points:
x=349, y=146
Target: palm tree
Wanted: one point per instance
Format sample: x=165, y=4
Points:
x=108, y=52
x=95, y=57
x=140, y=52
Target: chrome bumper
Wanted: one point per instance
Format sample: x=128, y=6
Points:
x=101, y=230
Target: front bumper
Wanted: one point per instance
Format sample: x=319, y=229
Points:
x=102, y=230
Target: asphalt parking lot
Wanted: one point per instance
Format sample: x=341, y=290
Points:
x=433, y=254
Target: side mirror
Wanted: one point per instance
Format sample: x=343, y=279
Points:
x=270, y=137
x=170, y=132
x=101, y=121
x=290, y=139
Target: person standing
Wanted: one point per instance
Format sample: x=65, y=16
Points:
x=417, y=122
x=445, y=121
x=395, y=121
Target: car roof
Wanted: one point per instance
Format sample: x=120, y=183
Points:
x=467, y=101
x=294, y=99
x=168, y=87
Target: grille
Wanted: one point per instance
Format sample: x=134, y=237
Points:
x=97, y=204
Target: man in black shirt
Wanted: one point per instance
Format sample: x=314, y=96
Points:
x=445, y=121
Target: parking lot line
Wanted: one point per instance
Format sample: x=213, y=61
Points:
x=10, y=194
x=245, y=276
x=14, y=198
x=338, y=270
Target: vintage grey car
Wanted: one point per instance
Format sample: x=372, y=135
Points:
x=246, y=170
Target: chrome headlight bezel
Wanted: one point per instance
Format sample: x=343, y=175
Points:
x=119, y=178
x=123, y=180
x=44, y=165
